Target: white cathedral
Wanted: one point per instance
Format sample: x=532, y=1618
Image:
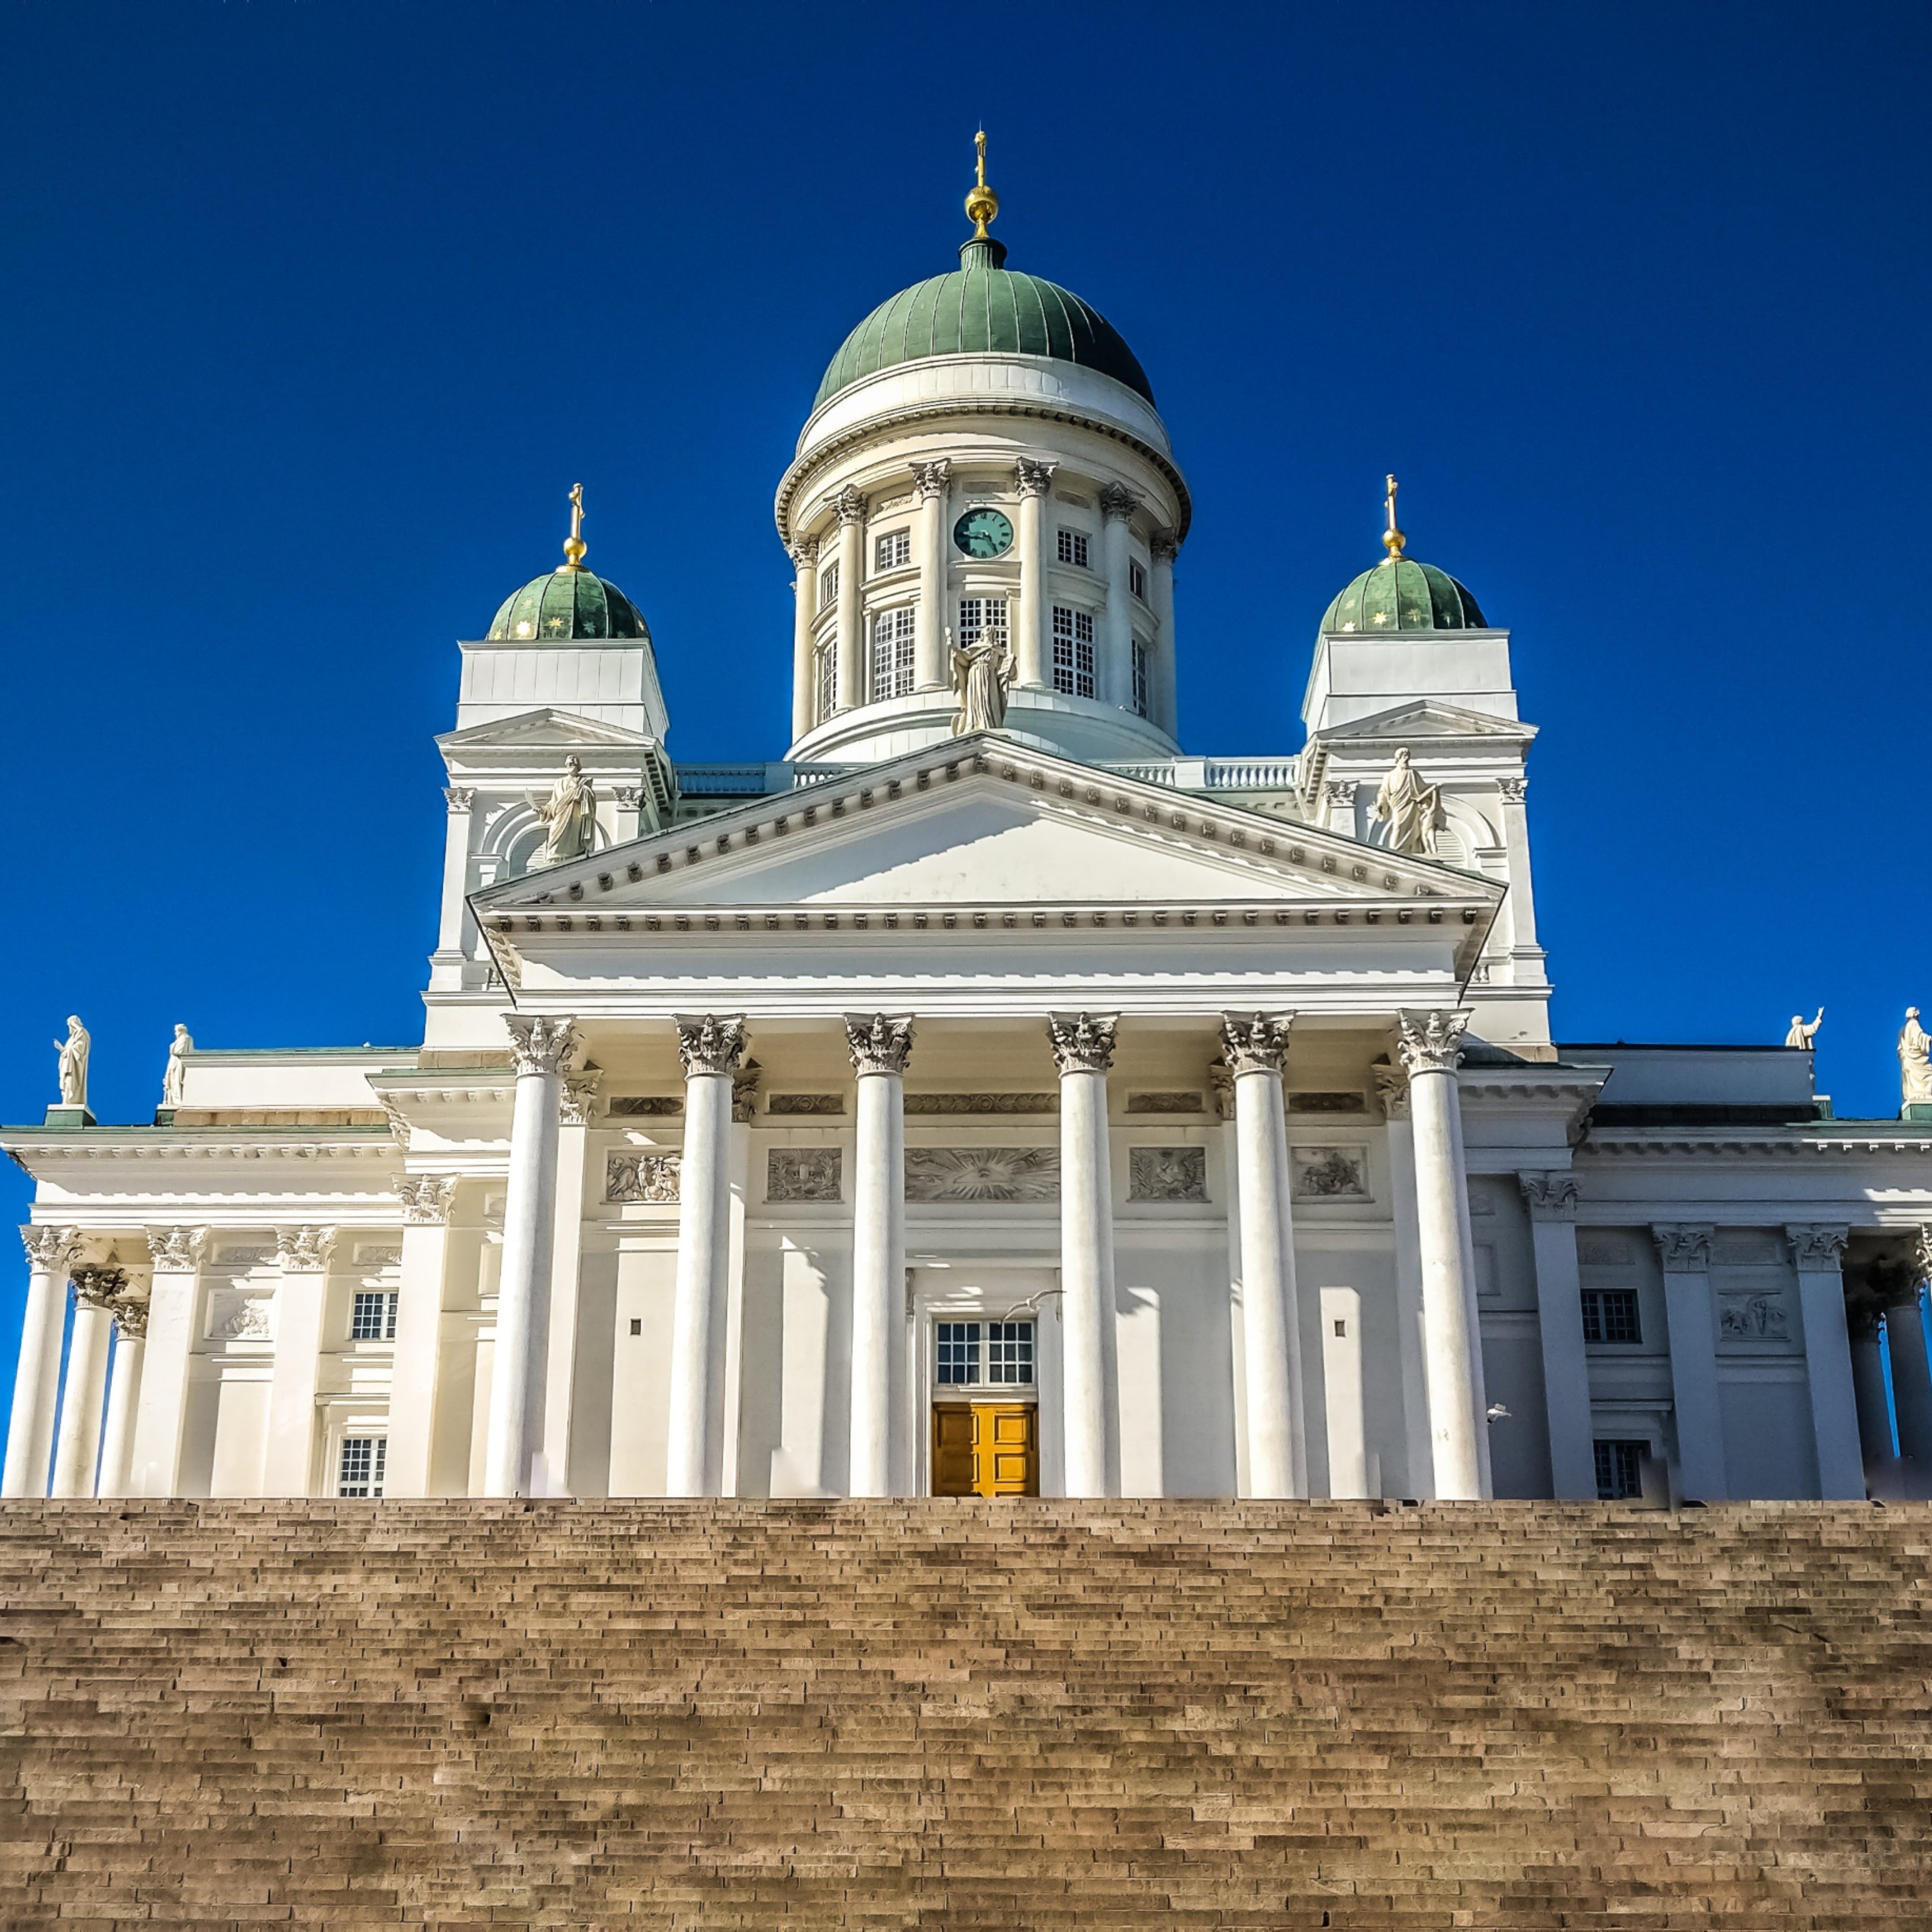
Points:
x=988, y=1097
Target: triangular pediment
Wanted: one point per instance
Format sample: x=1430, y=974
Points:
x=544, y=727
x=983, y=821
x=1427, y=718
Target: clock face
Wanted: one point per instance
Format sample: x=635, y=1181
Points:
x=983, y=533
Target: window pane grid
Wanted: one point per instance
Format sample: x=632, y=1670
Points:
x=1007, y=1348
x=1610, y=1315
x=374, y=1318
x=1073, y=652
x=1073, y=548
x=828, y=586
x=892, y=665
x=1009, y=1351
x=958, y=1363
x=1137, y=579
x=1140, y=678
x=828, y=681
x=982, y=616
x=893, y=550
x=1620, y=1470
x=360, y=1471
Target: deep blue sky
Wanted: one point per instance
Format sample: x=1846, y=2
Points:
x=313, y=313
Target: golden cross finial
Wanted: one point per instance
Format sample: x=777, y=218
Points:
x=1392, y=539
x=982, y=205
x=573, y=545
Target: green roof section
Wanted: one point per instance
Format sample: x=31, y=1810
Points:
x=983, y=307
x=570, y=603
x=1399, y=594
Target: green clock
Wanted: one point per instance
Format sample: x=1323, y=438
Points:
x=983, y=533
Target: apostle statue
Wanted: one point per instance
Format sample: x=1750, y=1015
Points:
x=73, y=1051
x=1409, y=808
x=1801, y=1035
x=981, y=673
x=568, y=816
x=174, y=1081
x=1914, y=1063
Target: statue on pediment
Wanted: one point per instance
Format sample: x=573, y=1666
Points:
x=1408, y=807
x=1914, y=1063
x=982, y=674
x=568, y=817
x=1801, y=1035
x=73, y=1051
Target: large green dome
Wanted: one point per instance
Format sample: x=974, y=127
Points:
x=570, y=602
x=983, y=307
x=1399, y=594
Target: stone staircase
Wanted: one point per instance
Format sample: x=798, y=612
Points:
x=965, y=1715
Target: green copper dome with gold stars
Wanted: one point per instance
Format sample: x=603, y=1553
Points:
x=570, y=603
x=1399, y=594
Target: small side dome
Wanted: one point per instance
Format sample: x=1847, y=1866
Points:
x=570, y=603
x=1399, y=594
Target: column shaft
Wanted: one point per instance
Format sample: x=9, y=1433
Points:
x=77, y=1447
x=174, y=1300
x=1685, y=1253
x=416, y=1374
x=805, y=608
x=1818, y=1254
x=930, y=668
x=1084, y=1047
x=1431, y=1050
x=878, y=1047
x=1164, y=676
x=1552, y=1200
x=1115, y=679
x=1270, y=1326
x=694, y=1462
x=30, y=1430
x=851, y=599
x=1911, y=1384
x=455, y=908
x=513, y=1459
x=301, y=1303
x=579, y=1098
x=124, y=1395
x=1030, y=639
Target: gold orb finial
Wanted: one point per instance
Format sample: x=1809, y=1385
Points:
x=982, y=205
x=1392, y=539
x=573, y=545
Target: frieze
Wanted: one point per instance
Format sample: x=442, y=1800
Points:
x=982, y=1174
x=1178, y=1103
x=1329, y=1173
x=982, y=1103
x=803, y=1174
x=1167, y=1174
x=1319, y=1103
x=651, y=1179
x=1758, y=1317
x=796, y=1104
x=646, y=1106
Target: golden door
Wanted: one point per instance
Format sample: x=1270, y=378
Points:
x=985, y=1449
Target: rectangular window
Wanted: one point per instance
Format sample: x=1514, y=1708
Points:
x=958, y=1362
x=828, y=586
x=1009, y=1351
x=892, y=551
x=361, y=1471
x=1609, y=1314
x=374, y=1319
x=828, y=681
x=981, y=616
x=1620, y=1470
x=1137, y=579
x=1140, y=677
x=1073, y=652
x=1073, y=548
x=891, y=654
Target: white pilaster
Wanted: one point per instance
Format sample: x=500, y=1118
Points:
x=513, y=1460
x=930, y=669
x=1818, y=1255
x=1552, y=1200
x=77, y=1445
x=302, y=1303
x=416, y=1375
x=161, y=1415
x=1430, y=1045
x=879, y=1046
x=450, y=935
x=805, y=589
x=1418, y=1446
x=1083, y=1048
x=1912, y=1377
x=1165, y=693
x=1254, y=1045
x=30, y=1430
x=124, y=1395
x=1684, y=1250
x=711, y=1047
x=1116, y=668
x=576, y=1107
x=851, y=599
x=1030, y=645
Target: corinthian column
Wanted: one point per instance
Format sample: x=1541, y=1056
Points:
x=1163, y=696
x=1684, y=1252
x=1116, y=671
x=124, y=1395
x=174, y=1297
x=1818, y=1255
x=711, y=1047
x=77, y=1448
x=1430, y=1045
x=30, y=1434
x=1550, y=1195
x=1254, y=1045
x=851, y=599
x=879, y=1047
x=1083, y=1048
x=513, y=1462
x=1030, y=640
x=928, y=636
x=805, y=561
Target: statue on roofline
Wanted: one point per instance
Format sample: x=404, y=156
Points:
x=73, y=1051
x=1914, y=1063
x=982, y=674
x=1801, y=1035
x=1408, y=807
x=568, y=816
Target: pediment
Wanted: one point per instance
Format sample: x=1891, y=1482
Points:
x=543, y=728
x=983, y=821
x=1428, y=718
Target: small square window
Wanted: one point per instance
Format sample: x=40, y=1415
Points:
x=892, y=551
x=1620, y=1470
x=1073, y=548
x=981, y=617
x=958, y=1365
x=374, y=1318
x=360, y=1471
x=1137, y=579
x=1610, y=1315
x=1073, y=652
x=1009, y=1352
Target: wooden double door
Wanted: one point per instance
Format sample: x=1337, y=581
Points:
x=985, y=1449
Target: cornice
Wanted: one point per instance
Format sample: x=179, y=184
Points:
x=45, y=1144
x=1678, y=1144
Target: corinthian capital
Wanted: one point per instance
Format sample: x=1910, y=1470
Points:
x=1550, y=1196
x=803, y=553
x=1817, y=1250
x=709, y=1042
x=131, y=1317
x=1254, y=1043
x=1163, y=546
x=1683, y=1247
x=1392, y=1090
x=1033, y=477
x=541, y=1045
x=426, y=1198
x=1083, y=1044
x=460, y=798
x=179, y=1249
x=97, y=1287
x=851, y=505
x=1116, y=501
x=578, y=1101
x=1430, y=1042
x=304, y=1250
x=50, y=1248
x=930, y=478
x=878, y=1044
